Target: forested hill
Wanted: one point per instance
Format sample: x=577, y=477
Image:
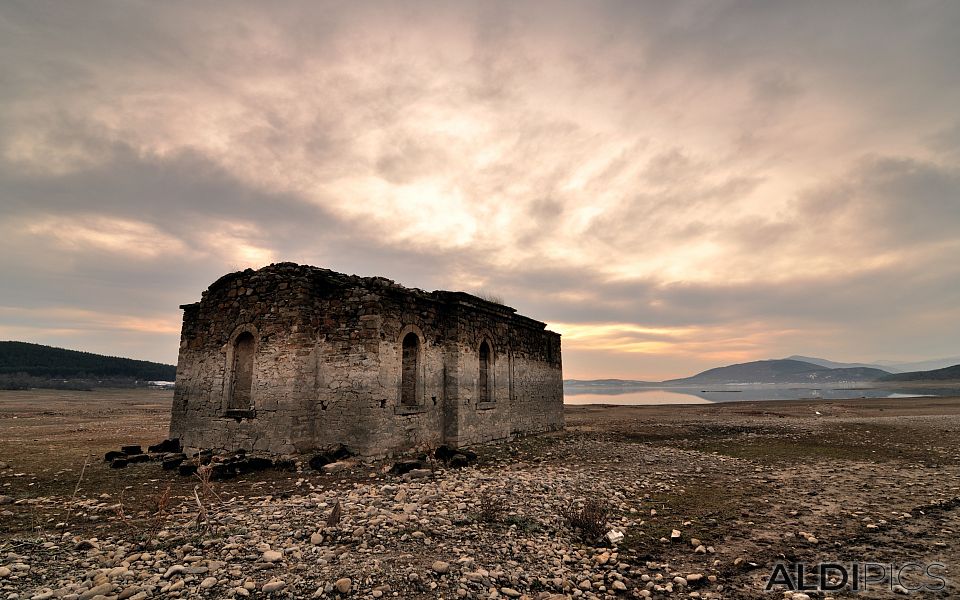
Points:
x=41, y=361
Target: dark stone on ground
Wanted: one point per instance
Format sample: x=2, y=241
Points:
x=285, y=464
x=204, y=456
x=458, y=461
x=460, y=456
x=187, y=469
x=402, y=467
x=109, y=456
x=316, y=463
x=444, y=452
x=254, y=464
x=171, y=445
x=131, y=449
x=118, y=463
x=340, y=452
x=138, y=458
x=170, y=464
x=330, y=455
x=222, y=471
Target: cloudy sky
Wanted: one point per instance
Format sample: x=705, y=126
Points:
x=671, y=185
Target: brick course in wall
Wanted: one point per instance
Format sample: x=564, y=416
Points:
x=326, y=366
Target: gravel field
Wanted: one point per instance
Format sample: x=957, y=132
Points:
x=702, y=501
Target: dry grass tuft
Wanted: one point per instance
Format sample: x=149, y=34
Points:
x=589, y=519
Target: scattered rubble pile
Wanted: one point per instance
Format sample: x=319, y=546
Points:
x=168, y=452
x=170, y=455
x=222, y=466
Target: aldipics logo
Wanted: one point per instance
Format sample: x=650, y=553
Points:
x=858, y=577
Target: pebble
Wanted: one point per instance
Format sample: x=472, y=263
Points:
x=272, y=556
x=99, y=590
x=343, y=585
x=441, y=567
x=335, y=467
x=174, y=570
x=273, y=586
x=129, y=592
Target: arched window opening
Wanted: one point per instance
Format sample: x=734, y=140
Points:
x=486, y=373
x=242, y=372
x=410, y=370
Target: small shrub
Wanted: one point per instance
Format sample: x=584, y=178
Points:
x=205, y=496
x=590, y=519
x=159, y=505
x=490, y=509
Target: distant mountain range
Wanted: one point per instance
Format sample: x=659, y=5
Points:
x=781, y=371
x=25, y=365
x=793, y=370
x=822, y=362
x=886, y=365
x=945, y=374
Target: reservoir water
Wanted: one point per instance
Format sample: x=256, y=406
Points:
x=728, y=393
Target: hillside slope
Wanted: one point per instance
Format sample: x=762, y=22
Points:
x=945, y=374
x=37, y=360
x=923, y=365
x=779, y=371
x=830, y=364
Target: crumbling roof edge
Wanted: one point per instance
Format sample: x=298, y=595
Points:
x=444, y=296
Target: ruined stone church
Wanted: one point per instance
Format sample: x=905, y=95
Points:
x=290, y=358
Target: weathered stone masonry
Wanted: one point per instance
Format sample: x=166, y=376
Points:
x=291, y=358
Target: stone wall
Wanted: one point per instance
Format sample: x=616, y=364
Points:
x=327, y=366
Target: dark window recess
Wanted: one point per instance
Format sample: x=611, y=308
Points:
x=486, y=373
x=410, y=370
x=242, y=373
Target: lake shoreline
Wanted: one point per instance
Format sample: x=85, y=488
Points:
x=716, y=393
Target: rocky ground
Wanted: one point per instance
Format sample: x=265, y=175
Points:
x=707, y=499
